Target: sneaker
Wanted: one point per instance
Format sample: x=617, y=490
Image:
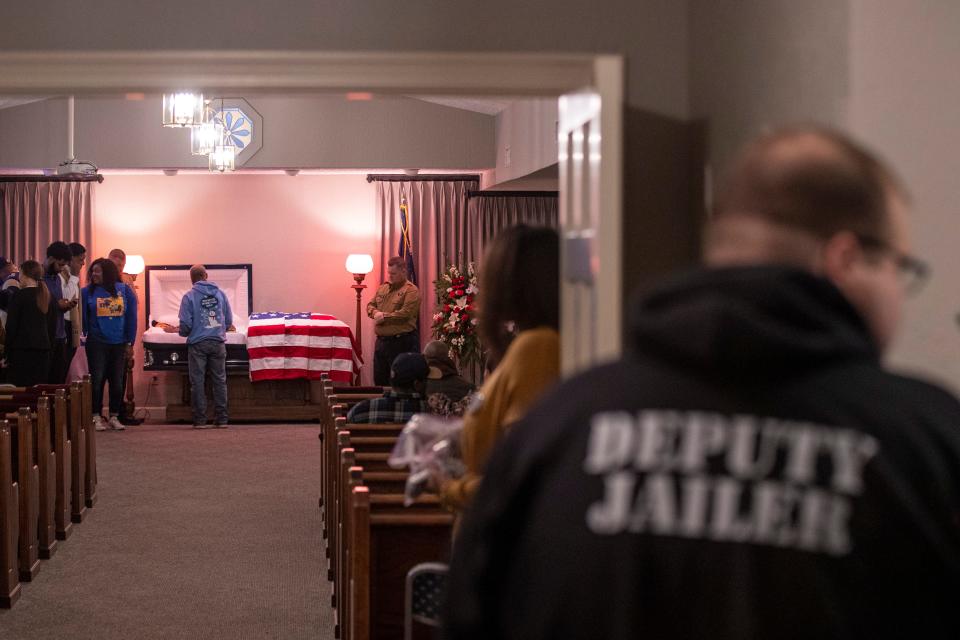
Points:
x=114, y=424
x=201, y=425
x=219, y=425
x=99, y=424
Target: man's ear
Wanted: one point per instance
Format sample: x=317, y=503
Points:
x=839, y=256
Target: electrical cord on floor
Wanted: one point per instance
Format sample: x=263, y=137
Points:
x=144, y=414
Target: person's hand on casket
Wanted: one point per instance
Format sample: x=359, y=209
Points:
x=231, y=328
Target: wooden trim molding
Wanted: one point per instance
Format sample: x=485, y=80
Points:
x=85, y=72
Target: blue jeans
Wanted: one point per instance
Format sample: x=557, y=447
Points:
x=208, y=356
x=107, y=363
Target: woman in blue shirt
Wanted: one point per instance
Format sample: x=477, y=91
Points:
x=110, y=324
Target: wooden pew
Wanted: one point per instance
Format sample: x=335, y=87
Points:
x=384, y=542
x=330, y=456
x=46, y=460
x=90, y=475
x=9, y=522
x=351, y=474
x=329, y=445
x=328, y=428
x=28, y=480
x=64, y=426
x=78, y=454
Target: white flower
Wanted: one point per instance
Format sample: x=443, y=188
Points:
x=474, y=321
x=449, y=289
x=471, y=289
x=462, y=302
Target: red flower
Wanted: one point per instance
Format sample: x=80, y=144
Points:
x=446, y=308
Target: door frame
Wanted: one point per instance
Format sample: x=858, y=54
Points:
x=447, y=73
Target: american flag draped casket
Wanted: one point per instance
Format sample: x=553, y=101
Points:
x=283, y=346
x=270, y=345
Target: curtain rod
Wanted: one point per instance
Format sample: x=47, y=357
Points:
x=513, y=194
x=36, y=178
x=437, y=177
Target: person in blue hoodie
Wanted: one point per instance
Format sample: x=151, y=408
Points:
x=110, y=324
x=205, y=316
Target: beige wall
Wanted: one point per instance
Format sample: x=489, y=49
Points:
x=758, y=63
x=651, y=33
x=903, y=102
x=885, y=71
x=295, y=231
x=298, y=131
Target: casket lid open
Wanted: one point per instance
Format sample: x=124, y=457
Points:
x=167, y=284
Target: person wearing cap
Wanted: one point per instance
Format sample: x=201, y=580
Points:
x=408, y=375
x=446, y=388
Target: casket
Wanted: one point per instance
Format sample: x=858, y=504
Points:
x=165, y=287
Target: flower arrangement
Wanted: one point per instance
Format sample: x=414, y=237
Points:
x=455, y=322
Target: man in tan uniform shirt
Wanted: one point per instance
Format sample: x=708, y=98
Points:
x=394, y=309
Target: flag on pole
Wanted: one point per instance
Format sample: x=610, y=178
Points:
x=405, y=250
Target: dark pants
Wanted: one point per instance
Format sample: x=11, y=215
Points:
x=106, y=362
x=388, y=348
x=208, y=356
x=27, y=367
x=57, y=369
x=68, y=352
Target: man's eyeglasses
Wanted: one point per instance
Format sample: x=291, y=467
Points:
x=913, y=271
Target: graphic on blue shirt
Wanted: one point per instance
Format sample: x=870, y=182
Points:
x=210, y=306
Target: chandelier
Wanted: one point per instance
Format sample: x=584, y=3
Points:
x=217, y=130
x=223, y=158
x=183, y=109
x=206, y=136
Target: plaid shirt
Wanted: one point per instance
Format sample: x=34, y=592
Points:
x=394, y=407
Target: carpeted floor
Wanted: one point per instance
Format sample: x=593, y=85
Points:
x=197, y=534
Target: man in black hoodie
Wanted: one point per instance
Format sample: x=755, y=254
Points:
x=749, y=470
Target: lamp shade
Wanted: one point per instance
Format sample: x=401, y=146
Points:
x=359, y=263
x=182, y=109
x=134, y=265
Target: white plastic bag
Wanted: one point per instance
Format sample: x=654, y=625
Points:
x=429, y=446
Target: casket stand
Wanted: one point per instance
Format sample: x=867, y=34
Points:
x=293, y=400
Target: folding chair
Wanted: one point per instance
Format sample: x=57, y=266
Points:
x=423, y=595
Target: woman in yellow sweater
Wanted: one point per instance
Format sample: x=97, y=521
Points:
x=519, y=318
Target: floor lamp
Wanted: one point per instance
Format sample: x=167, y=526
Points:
x=359, y=264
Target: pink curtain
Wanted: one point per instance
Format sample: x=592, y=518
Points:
x=438, y=230
x=33, y=214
